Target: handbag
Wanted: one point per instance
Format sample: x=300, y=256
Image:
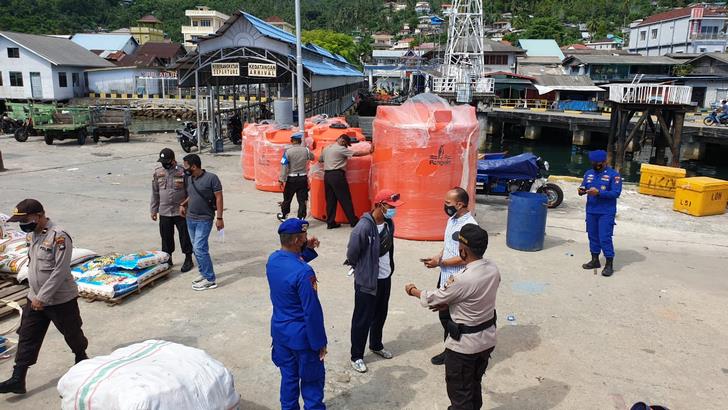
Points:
x=211, y=203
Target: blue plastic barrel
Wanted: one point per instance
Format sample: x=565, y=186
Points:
x=526, y=221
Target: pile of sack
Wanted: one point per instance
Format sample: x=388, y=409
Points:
x=115, y=275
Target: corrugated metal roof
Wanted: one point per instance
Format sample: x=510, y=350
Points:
x=563, y=80
x=491, y=46
x=541, y=48
x=539, y=60
x=58, y=51
x=722, y=57
x=329, y=69
x=678, y=14
x=633, y=59
x=102, y=41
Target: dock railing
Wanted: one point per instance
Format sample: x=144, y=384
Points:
x=451, y=85
x=650, y=94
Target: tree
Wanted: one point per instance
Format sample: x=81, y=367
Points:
x=336, y=43
x=549, y=28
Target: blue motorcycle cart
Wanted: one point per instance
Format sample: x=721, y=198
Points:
x=520, y=173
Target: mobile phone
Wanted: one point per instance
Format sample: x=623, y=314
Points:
x=424, y=259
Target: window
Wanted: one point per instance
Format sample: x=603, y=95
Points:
x=76, y=80
x=1, y=78
x=62, y=80
x=16, y=79
x=496, y=60
x=643, y=35
x=653, y=35
x=85, y=80
x=13, y=52
x=205, y=23
x=194, y=23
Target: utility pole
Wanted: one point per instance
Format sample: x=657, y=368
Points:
x=299, y=70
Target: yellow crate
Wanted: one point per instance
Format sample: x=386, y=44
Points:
x=659, y=180
x=701, y=196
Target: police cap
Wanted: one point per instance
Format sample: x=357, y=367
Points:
x=166, y=155
x=24, y=208
x=293, y=226
x=472, y=236
x=598, y=156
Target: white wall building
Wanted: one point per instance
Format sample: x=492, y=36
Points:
x=696, y=29
x=43, y=67
x=203, y=22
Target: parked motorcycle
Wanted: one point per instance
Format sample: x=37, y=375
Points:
x=713, y=119
x=188, y=134
x=9, y=125
x=524, y=173
x=235, y=129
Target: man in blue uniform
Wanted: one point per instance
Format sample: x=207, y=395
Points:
x=297, y=325
x=603, y=185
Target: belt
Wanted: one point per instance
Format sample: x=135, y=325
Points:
x=455, y=330
x=297, y=175
x=334, y=170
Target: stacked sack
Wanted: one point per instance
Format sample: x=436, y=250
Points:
x=114, y=275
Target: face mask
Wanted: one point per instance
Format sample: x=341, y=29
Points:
x=450, y=210
x=167, y=165
x=188, y=172
x=598, y=167
x=28, y=227
x=390, y=213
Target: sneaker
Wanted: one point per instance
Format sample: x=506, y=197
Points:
x=438, y=360
x=383, y=353
x=199, y=279
x=204, y=285
x=359, y=366
x=280, y=217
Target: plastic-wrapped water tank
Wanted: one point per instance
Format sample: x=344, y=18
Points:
x=422, y=149
x=251, y=133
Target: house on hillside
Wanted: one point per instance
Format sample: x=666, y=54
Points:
x=542, y=57
x=422, y=7
x=278, y=22
x=695, y=29
x=166, y=53
x=203, y=21
x=381, y=40
x=148, y=28
x=403, y=44
x=500, y=56
x=43, y=67
x=609, y=43
x=619, y=68
x=109, y=46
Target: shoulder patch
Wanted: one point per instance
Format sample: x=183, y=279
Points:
x=314, y=282
x=61, y=242
x=617, y=179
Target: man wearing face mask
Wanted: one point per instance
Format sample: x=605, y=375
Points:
x=297, y=325
x=52, y=295
x=168, y=192
x=470, y=297
x=204, y=201
x=371, y=253
x=603, y=185
x=449, y=261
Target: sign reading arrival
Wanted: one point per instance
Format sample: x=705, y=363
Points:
x=261, y=70
x=225, y=69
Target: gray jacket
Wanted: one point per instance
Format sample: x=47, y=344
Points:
x=363, y=253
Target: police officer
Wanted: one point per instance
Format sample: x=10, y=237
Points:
x=335, y=157
x=297, y=325
x=294, y=174
x=470, y=297
x=603, y=185
x=52, y=295
x=168, y=192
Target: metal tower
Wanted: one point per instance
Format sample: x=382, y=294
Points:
x=463, y=67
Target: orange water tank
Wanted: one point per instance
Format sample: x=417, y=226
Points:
x=424, y=148
x=357, y=174
x=269, y=149
x=251, y=133
x=326, y=133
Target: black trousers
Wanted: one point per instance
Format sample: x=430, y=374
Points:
x=337, y=189
x=297, y=186
x=463, y=376
x=166, y=230
x=34, y=324
x=370, y=313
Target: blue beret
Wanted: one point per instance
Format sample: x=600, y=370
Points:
x=598, y=156
x=297, y=135
x=293, y=226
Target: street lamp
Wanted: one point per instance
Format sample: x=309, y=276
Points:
x=299, y=70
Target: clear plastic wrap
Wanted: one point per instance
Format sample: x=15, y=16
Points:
x=251, y=133
x=357, y=174
x=423, y=148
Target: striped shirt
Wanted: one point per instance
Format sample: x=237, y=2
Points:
x=452, y=247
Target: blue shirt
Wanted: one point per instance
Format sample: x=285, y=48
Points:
x=298, y=320
x=609, y=184
x=451, y=247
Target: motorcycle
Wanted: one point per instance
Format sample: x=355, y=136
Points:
x=521, y=173
x=9, y=125
x=235, y=129
x=713, y=119
x=188, y=134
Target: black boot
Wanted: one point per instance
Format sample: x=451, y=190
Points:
x=594, y=263
x=608, y=268
x=81, y=357
x=188, y=265
x=169, y=261
x=16, y=383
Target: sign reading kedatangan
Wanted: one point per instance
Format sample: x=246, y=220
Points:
x=225, y=69
x=261, y=70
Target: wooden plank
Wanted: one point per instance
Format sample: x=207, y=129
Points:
x=9, y=291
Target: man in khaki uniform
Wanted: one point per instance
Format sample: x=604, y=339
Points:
x=168, y=193
x=52, y=295
x=470, y=297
